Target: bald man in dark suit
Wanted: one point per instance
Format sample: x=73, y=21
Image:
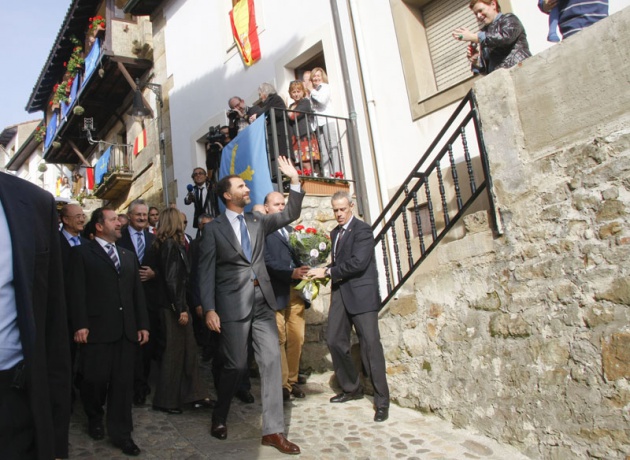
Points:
x=355, y=301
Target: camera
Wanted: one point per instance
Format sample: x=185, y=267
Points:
x=215, y=141
x=233, y=114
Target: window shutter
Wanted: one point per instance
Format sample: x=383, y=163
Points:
x=448, y=56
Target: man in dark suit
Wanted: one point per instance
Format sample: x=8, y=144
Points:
x=110, y=321
x=34, y=357
x=73, y=223
x=355, y=300
x=284, y=272
x=203, y=195
x=237, y=297
x=137, y=238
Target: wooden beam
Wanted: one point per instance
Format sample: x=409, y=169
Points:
x=133, y=85
x=79, y=154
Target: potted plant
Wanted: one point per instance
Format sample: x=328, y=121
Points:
x=323, y=185
x=42, y=167
x=78, y=110
x=97, y=23
x=40, y=133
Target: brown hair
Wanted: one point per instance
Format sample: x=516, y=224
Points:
x=171, y=226
x=297, y=84
x=487, y=2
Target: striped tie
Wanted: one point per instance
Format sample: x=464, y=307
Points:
x=111, y=252
x=140, y=246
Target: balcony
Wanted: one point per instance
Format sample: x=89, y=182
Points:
x=114, y=58
x=113, y=173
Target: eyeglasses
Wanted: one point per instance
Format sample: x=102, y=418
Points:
x=199, y=173
x=78, y=216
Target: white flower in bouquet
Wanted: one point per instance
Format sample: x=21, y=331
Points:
x=310, y=248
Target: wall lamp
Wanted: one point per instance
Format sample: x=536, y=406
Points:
x=139, y=112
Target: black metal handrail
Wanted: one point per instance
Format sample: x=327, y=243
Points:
x=415, y=202
x=332, y=138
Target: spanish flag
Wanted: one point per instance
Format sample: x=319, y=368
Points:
x=243, y=20
x=140, y=142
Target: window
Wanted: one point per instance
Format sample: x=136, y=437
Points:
x=436, y=70
x=448, y=57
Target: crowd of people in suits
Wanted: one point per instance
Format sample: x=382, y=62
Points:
x=117, y=301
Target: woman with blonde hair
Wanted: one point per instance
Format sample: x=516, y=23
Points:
x=326, y=127
x=304, y=139
x=178, y=378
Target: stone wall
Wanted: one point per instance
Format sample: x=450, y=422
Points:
x=525, y=336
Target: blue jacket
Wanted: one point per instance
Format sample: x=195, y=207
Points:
x=575, y=15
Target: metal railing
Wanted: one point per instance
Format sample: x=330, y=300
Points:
x=322, y=136
x=447, y=180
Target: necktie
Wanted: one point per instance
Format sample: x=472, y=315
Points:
x=338, y=242
x=140, y=246
x=284, y=233
x=75, y=241
x=111, y=252
x=245, y=242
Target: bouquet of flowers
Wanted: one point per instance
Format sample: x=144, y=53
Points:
x=310, y=248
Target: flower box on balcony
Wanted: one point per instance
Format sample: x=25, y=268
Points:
x=114, y=185
x=323, y=186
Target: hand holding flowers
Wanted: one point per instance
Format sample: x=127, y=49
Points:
x=311, y=249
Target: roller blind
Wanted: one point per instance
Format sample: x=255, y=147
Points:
x=448, y=56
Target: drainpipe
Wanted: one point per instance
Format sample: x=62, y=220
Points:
x=353, y=134
x=371, y=106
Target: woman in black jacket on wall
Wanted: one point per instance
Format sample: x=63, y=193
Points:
x=178, y=379
x=501, y=42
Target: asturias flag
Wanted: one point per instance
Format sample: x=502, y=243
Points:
x=246, y=156
x=101, y=166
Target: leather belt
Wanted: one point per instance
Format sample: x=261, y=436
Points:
x=256, y=283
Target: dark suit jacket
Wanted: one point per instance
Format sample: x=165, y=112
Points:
x=65, y=250
x=101, y=293
x=209, y=205
x=353, y=270
x=280, y=265
x=225, y=273
x=150, y=259
x=41, y=311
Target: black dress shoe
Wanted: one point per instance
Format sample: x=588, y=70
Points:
x=206, y=403
x=128, y=447
x=345, y=397
x=286, y=394
x=297, y=392
x=381, y=414
x=175, y=411
x=219, y=430
x=245, y=396
x=96, y=431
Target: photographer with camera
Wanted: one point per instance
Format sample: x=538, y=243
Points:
x=238, y=114
x=203, y=195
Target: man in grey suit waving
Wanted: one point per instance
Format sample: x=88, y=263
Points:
x=237, y=298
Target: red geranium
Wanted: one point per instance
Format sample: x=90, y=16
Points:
x=311, y=230
x=299, y=228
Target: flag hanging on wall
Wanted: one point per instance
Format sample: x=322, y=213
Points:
x=140, y=142
x=102, y=166
x=89, y=173
x=244, y=30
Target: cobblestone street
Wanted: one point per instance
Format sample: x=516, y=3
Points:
x=324, y=431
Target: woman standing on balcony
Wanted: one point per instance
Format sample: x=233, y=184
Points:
x=319, y=91
x=501, y=42
x=178, y=378
x=304, y=140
